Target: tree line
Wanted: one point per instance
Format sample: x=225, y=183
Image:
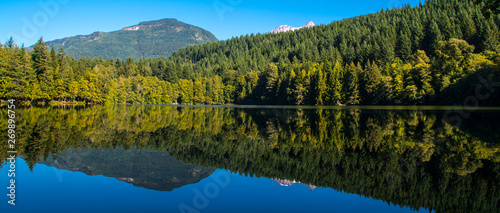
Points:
x=396, y=56
x=43, y=75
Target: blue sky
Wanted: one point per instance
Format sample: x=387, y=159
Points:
x=28, y=20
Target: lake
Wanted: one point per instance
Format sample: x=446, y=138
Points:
x=142, y=158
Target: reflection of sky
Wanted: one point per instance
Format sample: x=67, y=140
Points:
x=43, y=191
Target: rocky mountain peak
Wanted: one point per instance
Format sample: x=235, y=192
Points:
x=282, y=28
x=286, y=28
x=309, y=24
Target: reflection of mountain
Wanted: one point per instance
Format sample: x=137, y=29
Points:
x=290, y=182
x=284, y=182
x=148, y=169
x=406, y=157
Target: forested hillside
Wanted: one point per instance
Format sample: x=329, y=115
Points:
x=145, y=40
x=399, y=56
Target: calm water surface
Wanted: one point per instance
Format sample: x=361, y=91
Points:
x=122, y=158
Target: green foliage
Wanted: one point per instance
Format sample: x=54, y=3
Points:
x=352, y=85
x=406, y=157
x=152, y=39
x=490, y=7
x=450, y=63
x=384, y=58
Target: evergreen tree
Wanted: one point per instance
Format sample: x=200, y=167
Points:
x=285, y=68
x=433, y=38
x=370, y=83
x=43, y=69
x=404, y=45
x=490, y=7
x=487, y=38
x=351, y=85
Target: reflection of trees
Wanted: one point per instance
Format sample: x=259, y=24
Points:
x=409, y=158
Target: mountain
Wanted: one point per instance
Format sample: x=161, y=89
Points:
x=286, y=28
x=289, y=183
x=145, y=40
x=142, y=168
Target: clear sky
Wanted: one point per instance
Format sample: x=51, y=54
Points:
x=28, y=20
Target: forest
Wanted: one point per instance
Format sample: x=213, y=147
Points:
x=405, y=157
x=399, y=56
x=147, y=41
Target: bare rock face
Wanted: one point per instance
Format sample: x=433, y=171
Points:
x=131, y=28
x=286, y=28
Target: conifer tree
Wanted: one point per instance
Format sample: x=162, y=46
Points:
x=404, y=45
x=351, y=87
x=370, y=83
x=43, y=69
x=433, y=38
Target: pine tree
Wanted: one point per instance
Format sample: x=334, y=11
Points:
x=54, y=60
x=417, y=33
x=487, y=39
x=41, y=58
x=370, y=83
x=490, y=7
x=467, y=25
x=336, y=87
x=10, y=43
x=445, y=26
x=300, y=85
x=434, y=37
x=130, y=67
x=351, y=87
x=330, y=82
x=387, y=52
x=317, y=85
x=404, y=46
x=4, y=67
x=43, y=69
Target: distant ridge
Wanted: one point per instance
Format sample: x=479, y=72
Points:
x=286, y=28
x=145, y=40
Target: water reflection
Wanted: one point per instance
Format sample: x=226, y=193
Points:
x=406, y=157
x=291, y=182
x=142, y=168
